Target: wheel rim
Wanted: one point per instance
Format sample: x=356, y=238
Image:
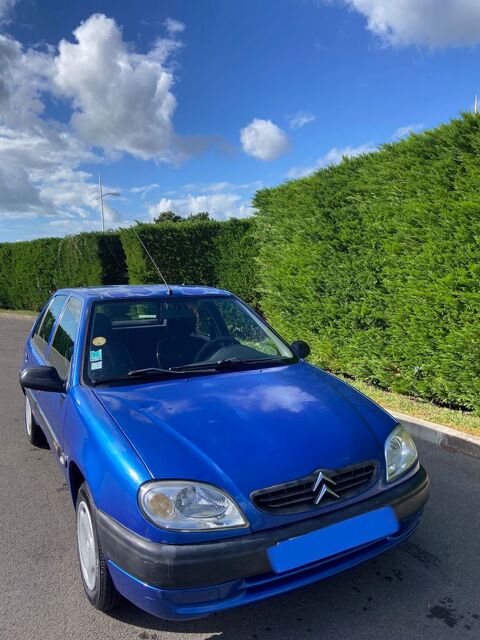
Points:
x=86, y=546
x=28, y=417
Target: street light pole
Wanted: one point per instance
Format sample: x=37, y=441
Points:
x=101, y=200
x=102, y=196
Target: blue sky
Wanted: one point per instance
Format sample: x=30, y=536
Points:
x=193, y=105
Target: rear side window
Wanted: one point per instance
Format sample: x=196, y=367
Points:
x=44, y=328
x=63, y=343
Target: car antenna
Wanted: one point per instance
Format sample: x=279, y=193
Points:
x=169, y=288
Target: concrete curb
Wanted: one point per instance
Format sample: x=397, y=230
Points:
x=445, y=437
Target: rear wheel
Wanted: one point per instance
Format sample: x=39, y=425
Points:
x=96, y=578
x=34, y=433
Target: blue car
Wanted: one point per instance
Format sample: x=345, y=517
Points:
x=209, y=464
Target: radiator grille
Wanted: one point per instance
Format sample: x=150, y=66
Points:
x=321, y=488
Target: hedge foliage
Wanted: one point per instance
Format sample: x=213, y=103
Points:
x=376, y=262
x=218, y=254
x=30, y=271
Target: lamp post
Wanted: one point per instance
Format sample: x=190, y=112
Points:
x=102, y=196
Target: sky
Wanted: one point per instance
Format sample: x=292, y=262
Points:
x=194, y=105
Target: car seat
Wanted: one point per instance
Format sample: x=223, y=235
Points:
x=181, y=346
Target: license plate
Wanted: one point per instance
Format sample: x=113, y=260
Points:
x=334, y=539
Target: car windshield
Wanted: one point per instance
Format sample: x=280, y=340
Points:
x=170, y=336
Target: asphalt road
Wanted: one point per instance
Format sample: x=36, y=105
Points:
x=427, y=589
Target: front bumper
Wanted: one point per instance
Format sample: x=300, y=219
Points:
x=193, y=580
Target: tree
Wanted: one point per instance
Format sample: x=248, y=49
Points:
x=201, y=216
x=168, y=216
x=171, y=216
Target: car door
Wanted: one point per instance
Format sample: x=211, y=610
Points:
x=36, y=350
x=59, y=355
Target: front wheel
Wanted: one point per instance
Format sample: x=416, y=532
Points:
x=34, y=433
x=96, y=578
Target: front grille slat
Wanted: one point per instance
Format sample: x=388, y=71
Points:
x=282, y=496
x=339, y=477
x=351, y=485
x=299, y=495
x=288, y=503
x=360, y=478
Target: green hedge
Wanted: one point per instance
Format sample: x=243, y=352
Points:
x=212, y=253
x=92, y=258
x=30, y=271
x=236, y=259
x=376, y=262
x=220, y=254
x=5, y=270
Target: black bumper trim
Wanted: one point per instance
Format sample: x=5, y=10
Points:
x=204, y=564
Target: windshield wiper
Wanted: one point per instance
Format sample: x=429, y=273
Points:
x=157, y=371
x=99, y=381
x=149, y=372
x=231, y=362
x=228, y=363
x=136, y=373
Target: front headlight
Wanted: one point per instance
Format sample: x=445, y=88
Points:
x=188, y=506
x=400, y=453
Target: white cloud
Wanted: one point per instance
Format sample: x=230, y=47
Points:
x=219, y=205
x=38, y=158
x=39, y=171
x=74, y=192
x=23, y=78
x=19, y=196
x=5, y=6
x=333, y=156
x=214, y=187
x=300, y=119
x=39, y=177
x=122, y=100
x=145, y=190
x=174, y=26
x=34, y=153
x=264, y=140
x=434, y=23
x=403, y=132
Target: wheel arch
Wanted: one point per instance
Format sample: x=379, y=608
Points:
x=75, y=479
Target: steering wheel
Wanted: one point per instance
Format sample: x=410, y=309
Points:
x=207, y=347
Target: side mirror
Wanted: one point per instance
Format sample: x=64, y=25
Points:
x=300, y=348
x=42, y=379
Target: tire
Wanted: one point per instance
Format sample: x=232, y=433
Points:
x=96, y=578
x=34, y=433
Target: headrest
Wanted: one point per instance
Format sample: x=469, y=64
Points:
x=181, y=326
x=175, y=310
x=102, y=325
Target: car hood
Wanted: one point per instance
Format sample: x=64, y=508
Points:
x=248, y=430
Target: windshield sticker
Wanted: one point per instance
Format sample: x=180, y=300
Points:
x=99, y=341
x=95, y=356
x=96, y=365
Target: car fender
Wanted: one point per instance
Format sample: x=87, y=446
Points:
x=95, y=445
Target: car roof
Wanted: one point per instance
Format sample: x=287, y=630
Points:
x=123, y=291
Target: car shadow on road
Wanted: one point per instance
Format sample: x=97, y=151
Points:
x=361, y=602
